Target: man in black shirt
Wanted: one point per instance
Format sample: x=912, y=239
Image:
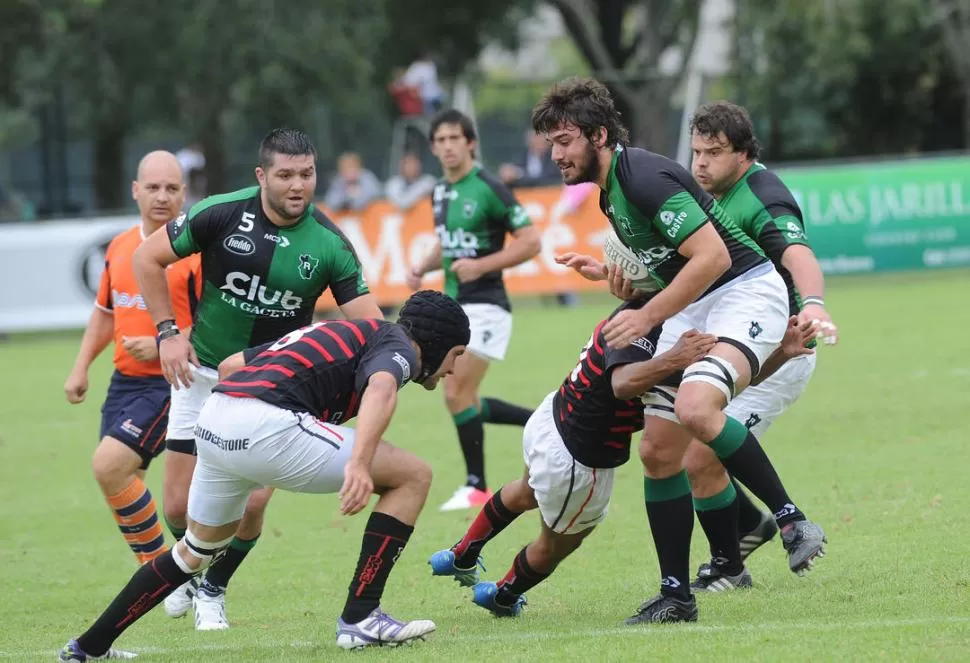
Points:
x=274, y=420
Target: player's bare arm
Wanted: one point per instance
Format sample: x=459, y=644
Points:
x=376, y=408
x=174, y=350
x=431, y=262
x=97, y=336
x=631, y=380
x=231, y=364
x=707, y=259
x=524, y=246
x=363, y=307
x=806, y=273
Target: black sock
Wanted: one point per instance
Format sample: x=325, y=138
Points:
x=492, y=519
x=520, y=579
x=152, y=582
x=671, y=515
x=471, y=436
x=218, y=575
x=744, y=458
x=495, y=411
x=718, y=516
x=749, y=515
x=384, y=538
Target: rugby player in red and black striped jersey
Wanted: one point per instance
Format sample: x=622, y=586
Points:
x=573, y=442
x=273, y=420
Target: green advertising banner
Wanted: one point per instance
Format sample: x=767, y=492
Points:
x=879, y=216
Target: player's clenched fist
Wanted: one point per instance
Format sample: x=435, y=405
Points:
x=76, y=387
x=175, y=353
x=691, y=347
x=357, y=488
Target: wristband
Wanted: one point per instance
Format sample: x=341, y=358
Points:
x=818, y=301
x=166, y=325
x=167, y=333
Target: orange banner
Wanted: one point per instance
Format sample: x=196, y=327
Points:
x=388, y=241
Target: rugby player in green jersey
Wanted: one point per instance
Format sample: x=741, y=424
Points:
x=709, y=274
x=267, y=255
x=473, y=213
x=725, y=163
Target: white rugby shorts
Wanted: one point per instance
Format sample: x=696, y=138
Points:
x=491, y=330
x=758, y=406
x=187, y=403
x=571, y=496
x=244, y=444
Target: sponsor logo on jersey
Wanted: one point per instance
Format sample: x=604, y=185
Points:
x=281, y=241
x=518, y=216
x=179, y=220
x=405, y=366
x=458, y=243
x=307, y=266
x=672, y=221
x=644, y=344
x=240, y=245
x=126, y=300
x=250, y=288
x=226, y=444
x=131, y=428
x=795, y=231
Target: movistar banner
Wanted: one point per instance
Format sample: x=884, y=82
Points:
x=878, y=216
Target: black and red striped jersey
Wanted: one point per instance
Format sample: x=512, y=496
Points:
x=595, y=426
x=323, y=368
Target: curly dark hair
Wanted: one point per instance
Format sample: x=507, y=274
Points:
x=585, y=102
x=711, y=119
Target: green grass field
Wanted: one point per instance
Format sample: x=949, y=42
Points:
x=876, y=452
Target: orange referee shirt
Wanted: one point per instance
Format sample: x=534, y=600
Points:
x=119, y=295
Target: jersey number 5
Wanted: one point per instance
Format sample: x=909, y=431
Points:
x=295, y=336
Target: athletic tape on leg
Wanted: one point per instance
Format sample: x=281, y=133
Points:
x=659, y=402
x=714, y=371
x=205, y=551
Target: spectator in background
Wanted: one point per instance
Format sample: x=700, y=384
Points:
x=195, y=188
x=407, y=97
x=354, y=187
x=535, y=168
x=191, y=157
x=423, y=75
x=409, y=185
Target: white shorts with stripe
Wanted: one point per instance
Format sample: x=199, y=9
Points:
x=244, y=443
x=571, y=496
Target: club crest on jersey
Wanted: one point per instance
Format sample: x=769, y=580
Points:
x=752, y=421
x=468, y=208
x=307, y=266
x=754, y=330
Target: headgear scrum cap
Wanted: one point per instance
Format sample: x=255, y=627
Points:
x=436, y=323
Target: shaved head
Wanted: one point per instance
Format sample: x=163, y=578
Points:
x=159, y=188
x=159, y=162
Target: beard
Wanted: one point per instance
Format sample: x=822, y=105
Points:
x=588, y=171
x=279, y=206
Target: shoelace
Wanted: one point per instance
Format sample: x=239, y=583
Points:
x=383, y=621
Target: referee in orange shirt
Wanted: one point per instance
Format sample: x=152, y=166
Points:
x=134, y=416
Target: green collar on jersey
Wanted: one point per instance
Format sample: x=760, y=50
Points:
x=471, y=173
x=755, y=167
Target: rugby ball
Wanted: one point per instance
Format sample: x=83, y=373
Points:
x=616, y=253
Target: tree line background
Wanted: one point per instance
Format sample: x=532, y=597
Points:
x=822, y=79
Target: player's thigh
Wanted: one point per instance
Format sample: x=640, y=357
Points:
x=217, y=495
x=751, y=315
x=571, y=496
x=187, y=403
x=491, y=330
x=758, y=406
